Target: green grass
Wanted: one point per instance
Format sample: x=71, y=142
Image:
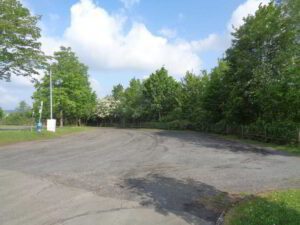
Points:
x=15, y=136
x=274, y=208
x=293, y=149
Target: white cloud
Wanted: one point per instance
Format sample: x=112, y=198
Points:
x=95, y=86
x=101, y=42
x=7, y=99
x=20, y=81
x=129, y=3
x=168, y=33
x=20, y=88
x=245, y=9
x=52, y=44
x=212, y=42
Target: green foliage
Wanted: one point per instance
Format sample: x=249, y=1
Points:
x=290, y=148
x=192, y=94
x=20, y=52
x=16, y=119
x=73, y=98
x=263, y=76
x=282, y=207
x=215, y=94
x=23, y=108
x=281, y=132
x=132, y=107
x=178, y=125
x=160, y=94
x=253, y=92
x=21, y=116
x=1, y=113
x=172, y=125
x=118, y=92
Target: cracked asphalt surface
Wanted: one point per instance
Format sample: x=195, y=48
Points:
x=132, y=177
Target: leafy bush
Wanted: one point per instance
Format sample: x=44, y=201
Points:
x=178, y=124
x=276, y=132
x=173, y=125
x=17, y=119
x=282, y=132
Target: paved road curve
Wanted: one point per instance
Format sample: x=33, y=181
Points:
x=133, y=177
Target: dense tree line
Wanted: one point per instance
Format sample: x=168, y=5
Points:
x=257, y=81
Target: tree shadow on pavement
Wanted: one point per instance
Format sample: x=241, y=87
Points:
x=193, y=201
x=213, y=141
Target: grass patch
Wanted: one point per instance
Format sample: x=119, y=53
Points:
x=15, y=136
x=293, y=149
x=274, y=208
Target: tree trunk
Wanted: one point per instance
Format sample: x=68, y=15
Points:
x=79, y=122
x=61, y=121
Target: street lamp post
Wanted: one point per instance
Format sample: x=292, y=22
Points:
x=59, y=83
x=51, y=123
x=51, y=96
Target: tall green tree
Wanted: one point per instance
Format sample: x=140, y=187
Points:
x=1, y=113
x=118, y=96
x=215, y=94
x=192, y=91
x=73, y=98
x=133, y=100
x=161, y=94
x=23, y=107
x=118, y=92
x=291, y=14
x=20, y=52
x=263, y=75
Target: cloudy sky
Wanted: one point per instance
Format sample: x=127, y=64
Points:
x=122, y=39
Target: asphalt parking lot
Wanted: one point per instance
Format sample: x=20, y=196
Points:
x=131, y=177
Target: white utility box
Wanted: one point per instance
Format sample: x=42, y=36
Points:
x=51, y=125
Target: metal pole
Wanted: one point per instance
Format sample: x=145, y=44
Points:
x=32, y=121
x=41, y=111
x=51, y=112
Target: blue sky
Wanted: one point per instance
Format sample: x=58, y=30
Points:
x=122, y=39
